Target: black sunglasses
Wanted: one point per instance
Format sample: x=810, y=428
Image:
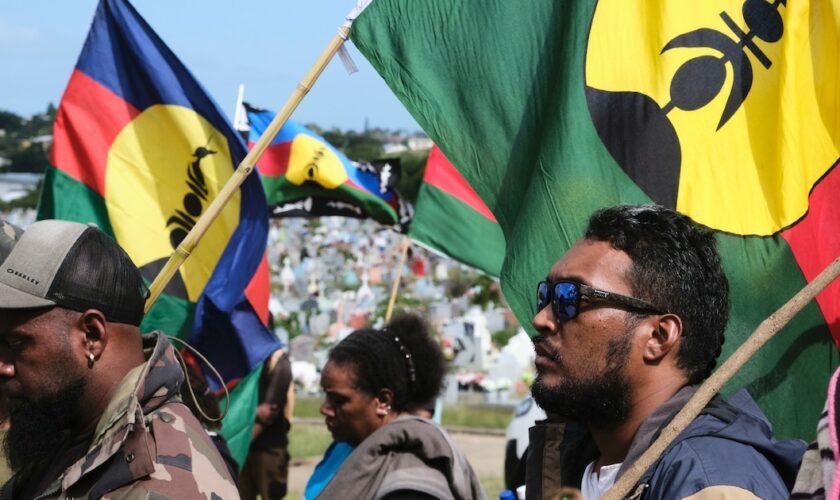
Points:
x=565, y=295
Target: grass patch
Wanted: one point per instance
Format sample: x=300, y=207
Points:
x=308, y=440
x=308, y=407
x=461, y=415
x=480, y=416
x=492, y=485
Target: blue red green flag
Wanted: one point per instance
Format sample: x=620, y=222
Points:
x=140, y=149
x=306, y=176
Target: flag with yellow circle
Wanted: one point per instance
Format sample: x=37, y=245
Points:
x=141, y=150
x=726, y=110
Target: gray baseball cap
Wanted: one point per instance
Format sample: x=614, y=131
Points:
x=72, y=265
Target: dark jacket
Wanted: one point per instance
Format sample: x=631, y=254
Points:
x=410, y=456
x=729, y=447
x=147, y=444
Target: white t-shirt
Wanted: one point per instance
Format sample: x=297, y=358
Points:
x=594, y=484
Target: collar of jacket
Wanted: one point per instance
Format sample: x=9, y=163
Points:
x=653, y=425
x=568, y=447
x=123, y=426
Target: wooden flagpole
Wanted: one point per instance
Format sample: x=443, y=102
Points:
x=396, y=285
x=765, y=331
x=245, y=168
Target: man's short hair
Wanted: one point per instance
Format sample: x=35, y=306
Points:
x=72, y=265
x=676, y=267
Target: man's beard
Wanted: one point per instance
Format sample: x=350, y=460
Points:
x=599, y=400
x=38, y=428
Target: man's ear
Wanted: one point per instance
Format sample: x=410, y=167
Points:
x=94, y=328
x=665, y=331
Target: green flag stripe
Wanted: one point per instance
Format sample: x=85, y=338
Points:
x=239, y=422
x=63, y=197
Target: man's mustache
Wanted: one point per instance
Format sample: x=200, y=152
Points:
x=544, y=348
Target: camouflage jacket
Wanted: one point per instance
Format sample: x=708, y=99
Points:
x=147, y=444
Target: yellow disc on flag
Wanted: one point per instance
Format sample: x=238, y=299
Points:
x=737, y=101
x=311, y=160
x=164, y=168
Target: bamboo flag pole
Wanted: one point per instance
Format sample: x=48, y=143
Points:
x=396, y=285
x=189, y=243
x=765, y=331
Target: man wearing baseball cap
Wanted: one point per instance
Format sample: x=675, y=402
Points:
x=94, y=405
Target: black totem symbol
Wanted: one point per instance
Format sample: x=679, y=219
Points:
x=699, y=80
x=185, y=219
x=638, y=132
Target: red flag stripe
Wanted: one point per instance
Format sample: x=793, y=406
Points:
x=815, y=243
x=275, y=160
x=80, y=146
x=257, y=291
x=441, y=174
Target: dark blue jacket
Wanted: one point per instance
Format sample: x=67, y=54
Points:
x=729, y=447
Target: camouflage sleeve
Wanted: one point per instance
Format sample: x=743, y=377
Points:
x=187, y=465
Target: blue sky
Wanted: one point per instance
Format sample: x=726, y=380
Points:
x=267, y=45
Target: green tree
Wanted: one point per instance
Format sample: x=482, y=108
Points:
x=30, y=200
x=488, y=291
x=10, y=121
x=501, y=338
x=31, y=159
x=26, y=157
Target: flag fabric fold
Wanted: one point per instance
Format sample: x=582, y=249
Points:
x=140, y=149
x=554, y=111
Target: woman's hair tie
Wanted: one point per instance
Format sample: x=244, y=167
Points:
x=412, y=374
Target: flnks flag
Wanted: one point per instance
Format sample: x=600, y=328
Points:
x=305, y=176
x=450, y=218
x=140, y=149
x=725, y=110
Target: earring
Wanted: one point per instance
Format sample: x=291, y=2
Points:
x=91, y=359
x=381, y=411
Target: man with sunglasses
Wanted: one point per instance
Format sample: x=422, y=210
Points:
x=631, y=319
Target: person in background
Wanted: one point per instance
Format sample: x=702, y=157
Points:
x=94, y=405
x=338, y=451
x=819, y=475
x=266, y=470
x=373, y=381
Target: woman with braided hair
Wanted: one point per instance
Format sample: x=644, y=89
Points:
x=374, y=380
